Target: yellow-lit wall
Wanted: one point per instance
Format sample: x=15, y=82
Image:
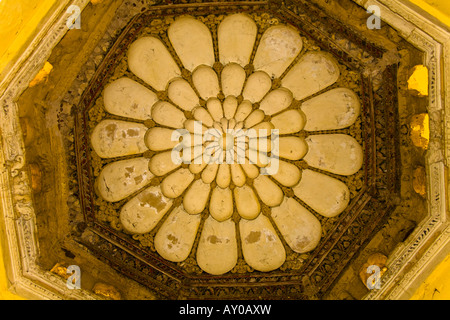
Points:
x=19, y=22
x=5, y=294
x=440, y=9
x=437, y=285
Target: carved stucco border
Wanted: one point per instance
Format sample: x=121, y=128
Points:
x=408, y=265
x=18, y=220
x=414, y=259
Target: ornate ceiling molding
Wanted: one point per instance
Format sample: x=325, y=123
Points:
x=26, y=278
x=407, y=266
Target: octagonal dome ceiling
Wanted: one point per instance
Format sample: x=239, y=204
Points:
x=238, y=132
x=224, y=149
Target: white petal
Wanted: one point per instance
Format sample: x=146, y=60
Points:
x=213, y=135
x=224, y=124
x=336, y=153
x=196, y=197
x=254, y=118
x=142, y=213
x=262, y=144
x=268, y=191
x=261, y=246
x=175, y=238
x=238, y=126
x=189, y=154
x=214, y=107
x=206, y=82
x=181, y=93
x=299, y=227
x=174, y=184
x=256, y=87
x=257, y=158
x=221, y=204
x=313, y=72
x=120, y=179
x=202, y=115
x=236, y=37
x=237, y=174
x=127, y=98
x=243, y=110
x=230, y=105
x=223, y=178
x=324, y=194
x=288, y=174
x=166, y=114
x=250, y=170
x=160, y=139
x=192, y=42
x=218, y=127
x=162, y=163
x=150, y=60
x=278, y=47
x=247, y=203
x=197, y=167
x=334, y=109
x=115, y=138
x=232, y=123
x=232, y=79
x=209, y=174
x=292, y=148
x=217, y=249
x=276, y=101
x=289, y=121
x=195, y=127
x=263, y=129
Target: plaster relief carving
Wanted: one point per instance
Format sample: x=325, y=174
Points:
x=228, y=119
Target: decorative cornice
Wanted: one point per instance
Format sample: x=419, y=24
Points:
x=416, y=254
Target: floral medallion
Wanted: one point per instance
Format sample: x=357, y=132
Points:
x=227, y=143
